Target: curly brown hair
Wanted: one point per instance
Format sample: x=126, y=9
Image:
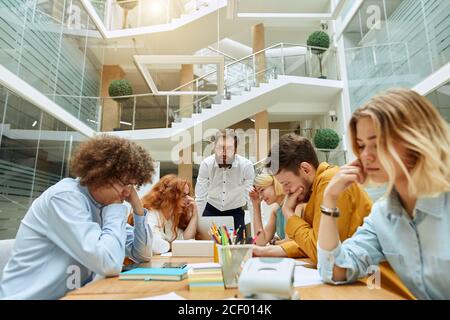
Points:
x=168, y=194
x=105, y=157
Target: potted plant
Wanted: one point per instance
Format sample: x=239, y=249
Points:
x=326, y=139
x=318, y=40
x=126, y=5
x=118, y=88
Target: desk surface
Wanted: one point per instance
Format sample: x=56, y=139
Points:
x=113, y=288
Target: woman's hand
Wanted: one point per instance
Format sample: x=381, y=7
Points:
x=254, y=197
x=192, y=204
x=346, y=176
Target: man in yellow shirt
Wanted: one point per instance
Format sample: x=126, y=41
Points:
x=294, y=163
x=304, y=179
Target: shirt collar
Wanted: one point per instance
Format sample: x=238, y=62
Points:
x=85, y=190
x=322, y=167
x=430, y=205
x=434, y=206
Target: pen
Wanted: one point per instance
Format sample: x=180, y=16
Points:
x=256, y=237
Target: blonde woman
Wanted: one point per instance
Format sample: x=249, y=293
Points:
x=268, y=189
x=399, y=139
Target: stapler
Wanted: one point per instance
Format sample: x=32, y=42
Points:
x=268, y=278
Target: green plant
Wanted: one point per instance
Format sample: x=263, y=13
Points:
x=326, y=139
x=319, y=39
x=119, y=88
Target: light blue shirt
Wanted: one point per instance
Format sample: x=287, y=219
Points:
x=418, y=249
x=66, y=238
x=280, y=223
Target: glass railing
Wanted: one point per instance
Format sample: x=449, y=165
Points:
x=373, y=68
x=161, y=110
x=411, y=44
x=129, y=14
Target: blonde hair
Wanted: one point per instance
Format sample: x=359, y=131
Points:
x=403, y=117
x=265, y=180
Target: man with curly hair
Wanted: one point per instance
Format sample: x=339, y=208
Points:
x=77, y=228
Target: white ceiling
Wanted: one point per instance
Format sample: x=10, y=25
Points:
x=282, y=6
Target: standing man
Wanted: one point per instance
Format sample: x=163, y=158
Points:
x=224, y=181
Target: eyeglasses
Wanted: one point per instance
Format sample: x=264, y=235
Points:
x=126, y=185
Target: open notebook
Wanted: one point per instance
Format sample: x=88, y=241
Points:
x=169, y=274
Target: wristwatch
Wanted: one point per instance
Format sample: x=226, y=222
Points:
x=332, y=212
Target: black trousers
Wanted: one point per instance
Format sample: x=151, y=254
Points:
x=237, y=214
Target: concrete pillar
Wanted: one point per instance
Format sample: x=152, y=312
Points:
x=258, y=45
x=110, y=109
x=262, y=118
x=185, y=167
x=186, y=102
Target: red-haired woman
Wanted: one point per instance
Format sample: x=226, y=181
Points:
x=172, y=212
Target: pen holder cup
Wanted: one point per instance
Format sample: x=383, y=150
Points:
x=232, y=258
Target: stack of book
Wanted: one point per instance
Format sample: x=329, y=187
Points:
x=205, y=277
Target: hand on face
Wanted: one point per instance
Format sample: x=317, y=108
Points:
x=293, y=199
x=190, y=202
x=347, y=175
x=133, y=199
x=254, y=196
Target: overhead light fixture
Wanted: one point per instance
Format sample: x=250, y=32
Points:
x=126, y=123
x=333, y=116
x=155, y=7
x=34, y=123
x=252, y=120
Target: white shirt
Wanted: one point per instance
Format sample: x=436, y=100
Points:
x=225, y=189
x=162, y=230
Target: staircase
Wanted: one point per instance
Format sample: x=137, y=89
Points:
x=147, y=16
x=227, y=112
x=247, y=91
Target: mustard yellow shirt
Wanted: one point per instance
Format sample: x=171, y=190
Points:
x=354, y=204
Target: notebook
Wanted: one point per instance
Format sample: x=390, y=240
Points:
x=168, y=274
x=205, y=277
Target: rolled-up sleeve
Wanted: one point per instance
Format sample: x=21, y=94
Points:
x=249, y=178
x=201, y=187
x=356, y=254
x=139, y=239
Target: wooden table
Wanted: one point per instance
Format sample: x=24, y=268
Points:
x=113, y=288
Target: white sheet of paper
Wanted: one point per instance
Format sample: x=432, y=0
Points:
x=205, y=265
x=169, y=296
x=306, y=277
x=167, y=254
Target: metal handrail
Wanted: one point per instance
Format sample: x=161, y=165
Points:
x=281, y=44
x=222, y=53
x=252, y=75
